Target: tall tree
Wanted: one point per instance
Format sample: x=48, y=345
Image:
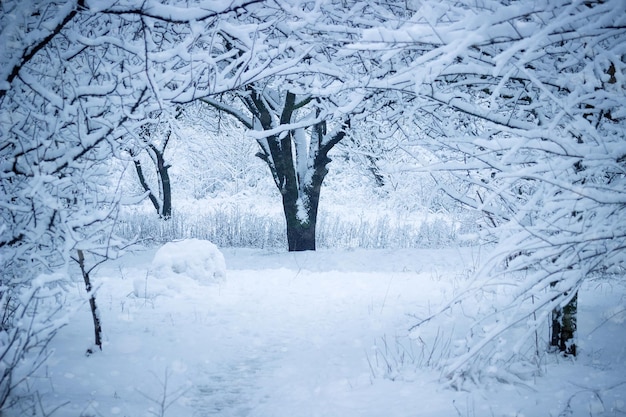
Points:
x=308, y=104
x=296, y=152
x=152, y=139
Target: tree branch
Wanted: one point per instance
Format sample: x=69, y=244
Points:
x=27, y=55
x=228, y=110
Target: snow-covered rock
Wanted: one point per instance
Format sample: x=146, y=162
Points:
x=197, y=259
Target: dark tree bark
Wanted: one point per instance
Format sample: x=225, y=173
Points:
x=95, y=315
x=145, y=186
x=162, y=199
x=301, y=211
x=164, y=182
x=301, y=200
x=564, y=324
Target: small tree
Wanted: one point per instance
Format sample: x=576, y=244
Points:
x=63, y=99
x=153, y=139
x=162, y=199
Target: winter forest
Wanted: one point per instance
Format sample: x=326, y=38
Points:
x=306, y=208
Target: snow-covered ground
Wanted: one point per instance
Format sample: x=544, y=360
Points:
x=306, y=334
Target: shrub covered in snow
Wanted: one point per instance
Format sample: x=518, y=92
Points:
x=197, y=259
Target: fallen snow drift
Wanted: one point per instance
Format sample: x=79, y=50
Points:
x=197, y=259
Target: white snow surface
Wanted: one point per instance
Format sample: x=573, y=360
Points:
x=197, y=259
x=305, y=334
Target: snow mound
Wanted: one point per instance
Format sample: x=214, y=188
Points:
x=197, y=259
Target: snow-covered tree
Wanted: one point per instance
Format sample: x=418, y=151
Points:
x=528, y=99
x=61, y=101
x=297, y=156
x=74, y=82
x=300, y=113
x=147, y=148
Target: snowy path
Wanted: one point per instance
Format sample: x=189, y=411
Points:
x=300, y=337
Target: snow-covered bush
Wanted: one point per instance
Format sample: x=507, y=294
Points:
x=197, y=259
x=30, y=319
x=238, y=224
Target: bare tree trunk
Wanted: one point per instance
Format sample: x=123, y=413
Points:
x=300, y=231
x=301, y=212
x=92, y=302
x=145, y=186
x=563, y=331
x=300, y=190
x=164, y=183
x=162, y=200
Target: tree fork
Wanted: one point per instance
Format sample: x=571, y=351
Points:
x=164, y=180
